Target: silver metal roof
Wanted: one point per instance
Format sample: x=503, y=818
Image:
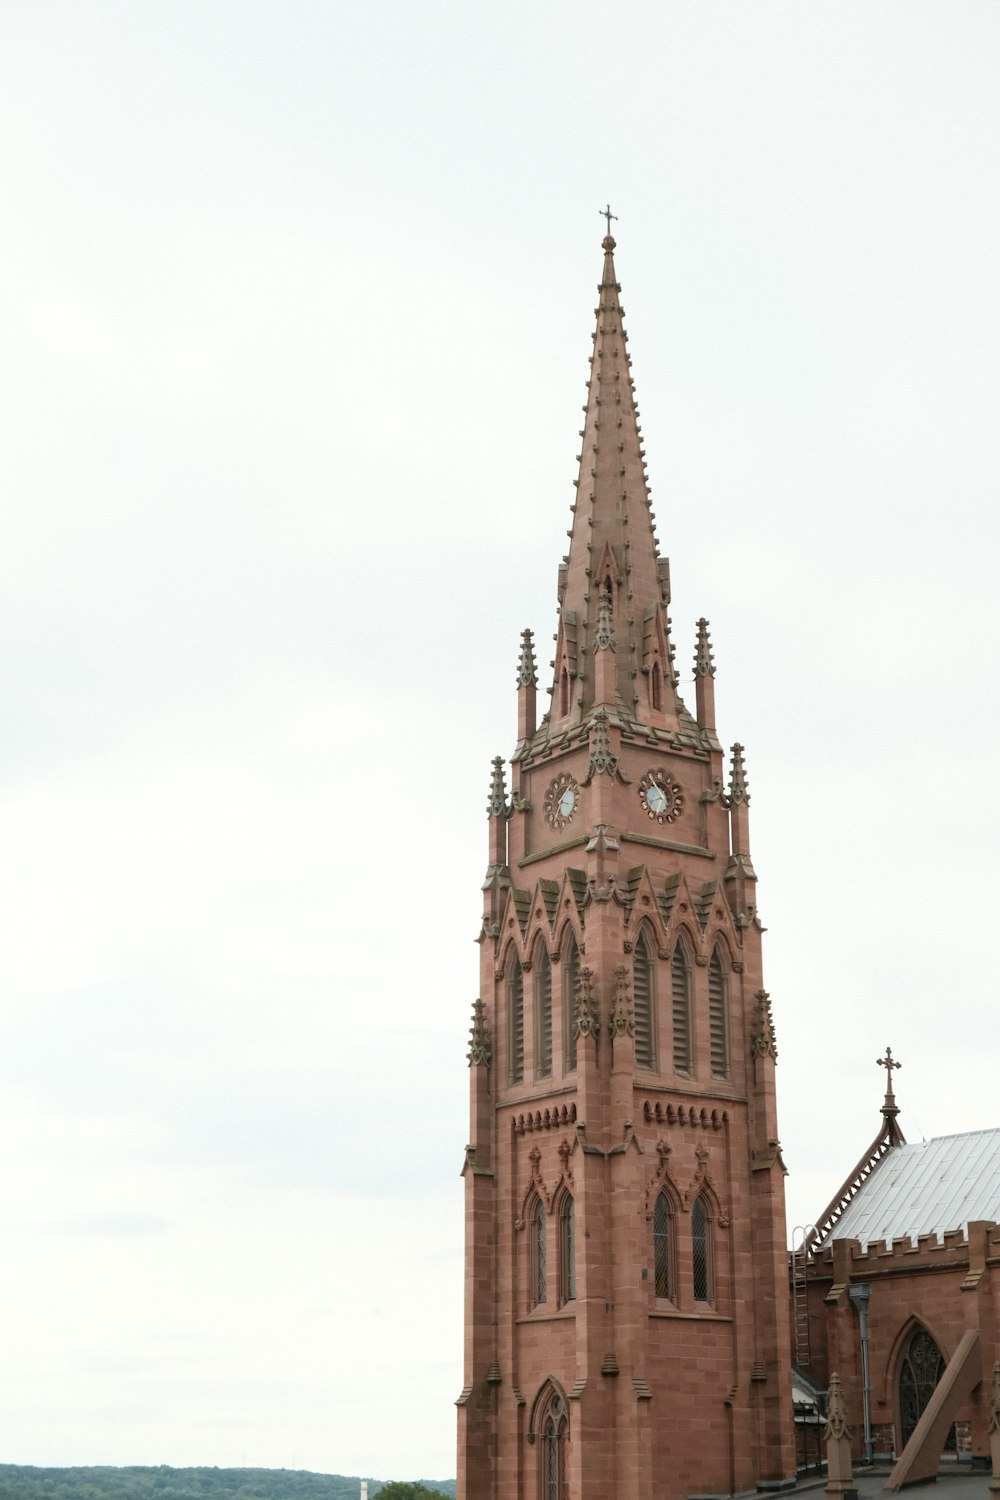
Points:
x=926, y=1187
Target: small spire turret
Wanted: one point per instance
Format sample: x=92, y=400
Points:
x=890, y=1108
x=704, y=677
x=527, y=689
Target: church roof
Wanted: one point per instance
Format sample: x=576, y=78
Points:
x=927, y=1187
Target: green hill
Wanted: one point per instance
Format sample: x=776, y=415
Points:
x=24, y=1482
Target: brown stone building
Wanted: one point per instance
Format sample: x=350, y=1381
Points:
x=902, y=1274
x=627, y=1321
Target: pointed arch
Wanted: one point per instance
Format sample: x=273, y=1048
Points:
x=681, y=970
x=718, y=1013
x=570, y=982
x=542, y=975
x=702, y=1249
x=920, y=1363
x=644, y=999
x=515, y=1017
x=566, y=1220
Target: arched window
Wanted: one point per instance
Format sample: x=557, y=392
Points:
x=543, y=1011
x=564, y=692
x=680, y=994
x=552, y=1442
x=718, y=1029
x=536, y=1254
x=663, y=1248
x=644, y=1003
x=701, y=1249
x=515, y=1020
x=567, y=1249
x=920, y=1369
x=570, y=984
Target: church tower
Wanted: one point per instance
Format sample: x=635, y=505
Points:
x=626, y=1312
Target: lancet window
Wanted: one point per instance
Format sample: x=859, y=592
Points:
x=515, y=1020
x=536, y=1254
x=543, y=1011
x=680, y=995
x=570, y=983
x=663, y=1248
x=701, y=1249
x=718, y=1029
x=567, y=1249
x=644, y=1003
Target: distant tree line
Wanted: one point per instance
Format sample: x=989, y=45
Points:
x=24, y=1482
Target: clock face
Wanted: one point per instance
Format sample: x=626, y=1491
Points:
x=661, y=796
x=561, y=801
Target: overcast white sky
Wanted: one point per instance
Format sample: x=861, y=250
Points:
x=296, y=308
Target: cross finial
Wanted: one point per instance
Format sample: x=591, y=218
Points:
x=607, y=214
x=888, y=1062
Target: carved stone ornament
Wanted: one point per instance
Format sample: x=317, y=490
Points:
x=762, y=1041
x=622, y=1018
x=603, y=761
x=836, y=1415
x=661, y=796
x=995, y=1401
x=561, y=801
x=480, y=1051
x=585, y=1022
x=604, y=635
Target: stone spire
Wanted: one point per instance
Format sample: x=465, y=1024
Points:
x=612, y=579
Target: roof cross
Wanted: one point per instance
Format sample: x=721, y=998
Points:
x=888, y=1062
x=606, y=213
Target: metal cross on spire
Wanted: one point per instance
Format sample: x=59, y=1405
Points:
x=606, y=213
x=888, y=1062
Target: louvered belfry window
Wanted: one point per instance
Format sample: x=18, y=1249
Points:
x=701, y=1251
x=680, y=990
x=543, y=1012
x=718, y=1037
x=570, y=983
x=537, y=1253
x=663, y=1250
x=643, y=1002
x=515, y=1021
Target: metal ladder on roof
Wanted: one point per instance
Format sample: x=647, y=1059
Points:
x=802, y=1237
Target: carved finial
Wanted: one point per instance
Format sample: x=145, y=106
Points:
x=480, y=1051
x=836, y=1412
x=622, y=1019
x=738, y=781
x=496, y=807
x=762, y=1028
x=604, y=635
x=995, y=1401
x=585, y=1006
x=704, y=664
x=526, y=673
